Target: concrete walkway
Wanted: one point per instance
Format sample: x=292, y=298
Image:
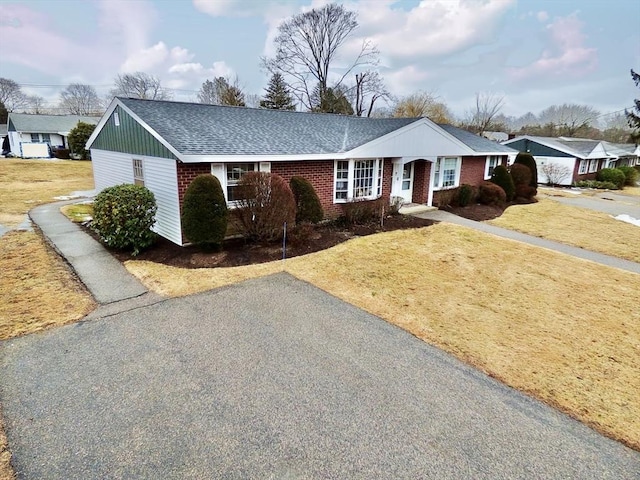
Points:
x=104, y=276
x=607, y=260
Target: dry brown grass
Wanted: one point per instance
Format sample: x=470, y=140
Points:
x=632, y=191
x=37, y=289
x=564, y=330
x=575, y=226
x=27, y=183
x=6, y=472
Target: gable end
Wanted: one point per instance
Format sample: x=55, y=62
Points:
x=129, y=137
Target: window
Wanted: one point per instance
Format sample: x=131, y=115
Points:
x=35, y=138
x=492, y=162
x=138, y=172
x=447, y=172
x=358, y=179
x=116, y=119
x=583, y=167
x=593, y=166
x=235, y=171
x=46, y=138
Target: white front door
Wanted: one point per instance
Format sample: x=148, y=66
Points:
x=403, y=181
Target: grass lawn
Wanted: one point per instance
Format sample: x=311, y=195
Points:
x=575, y=226
x=562, y=329
x=27, y=183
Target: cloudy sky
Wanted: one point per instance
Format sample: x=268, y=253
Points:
x=535, y=53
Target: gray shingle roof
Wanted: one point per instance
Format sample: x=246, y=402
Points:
x=476, y=142
x=32, y=123
x=198, y=129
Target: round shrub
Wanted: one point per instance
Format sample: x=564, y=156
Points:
x=491, y=194
x=266, y=203
x=466, y=195
x=527, y=160
x=630, y=174
x=204, y=212
x=525, y=193
x=308, y=207
x=501, y=177
x=520, y=174
x=123, y=216
x=613, y=175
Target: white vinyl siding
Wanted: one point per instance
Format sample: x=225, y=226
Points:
x=357, y=179
x=160, y=175
x=447, y=173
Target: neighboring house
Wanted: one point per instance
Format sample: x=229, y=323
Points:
x=583, y=157
x=622, y=154
x=32, y=135
x=165, y=145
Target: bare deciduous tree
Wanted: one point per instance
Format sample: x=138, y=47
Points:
x=368, y=89
x=307, y=45
x=568, y=118
x=488, y=106
x=423, y=104
x=79, y=99
x=36, y=104
x=221, y=91
x=11, y=95
x=555, y=173
x=139, y=85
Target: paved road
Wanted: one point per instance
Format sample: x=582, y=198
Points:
x=609, y=202
x=273, y=378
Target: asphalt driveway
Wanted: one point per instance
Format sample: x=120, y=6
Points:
x=607, y=202
x=273, y=378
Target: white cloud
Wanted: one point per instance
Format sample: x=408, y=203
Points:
x=542, y=16
x=565, y=55
x=432, y=28
x=233, y=8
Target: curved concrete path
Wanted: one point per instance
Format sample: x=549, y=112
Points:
x=274, y=378
x=442, y=216
x=104, y=276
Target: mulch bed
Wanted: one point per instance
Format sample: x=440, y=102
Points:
x=236, y=252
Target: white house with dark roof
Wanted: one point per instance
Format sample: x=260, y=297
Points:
x=31, y=135
x=583, y=157
x=164, y=145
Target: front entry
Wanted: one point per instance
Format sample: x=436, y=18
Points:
x=403, y=181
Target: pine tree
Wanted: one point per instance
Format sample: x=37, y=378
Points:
x=634, y=118
x=277, y=96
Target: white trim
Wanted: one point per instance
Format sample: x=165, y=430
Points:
x=593, y=165
x=456, y=181
x=431, y=178
x=583, y=167
x=378, y=178
x=487, y=165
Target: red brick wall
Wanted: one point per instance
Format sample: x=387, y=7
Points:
x=319, y=173
x=186, y=173
x=421, y=176
x=472, y=172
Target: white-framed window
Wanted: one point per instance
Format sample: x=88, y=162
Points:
x=582, y=168
x=35, y=138
x=138, y=172
x=447, y=172
x=116, y=119
x=358, y=179
x=234, y=172
x=492, y=162
x=593, y=165
x=46, y=138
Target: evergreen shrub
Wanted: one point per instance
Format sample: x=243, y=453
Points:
x=308, y=206
x=123, y=216
x=204, y=212
x=502, y=178
x=491, y=194
x=613, y=175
